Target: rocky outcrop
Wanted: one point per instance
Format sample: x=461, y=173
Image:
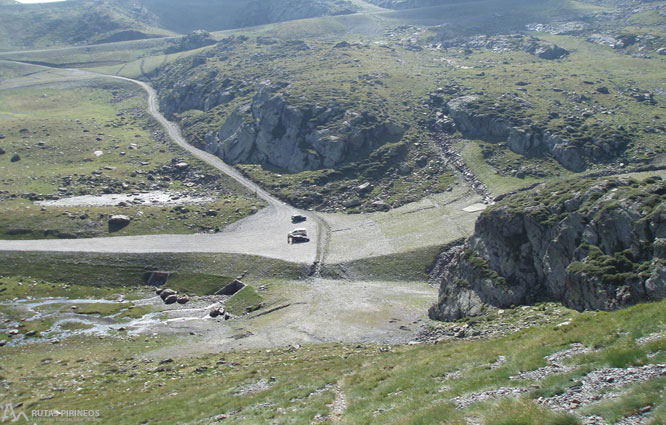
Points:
x=487, y=125
x=590, y=244
x=191, y=41
x=616, y=41
x=503, y=43
x=271, y=130
x=201, y=94
x=545, y=50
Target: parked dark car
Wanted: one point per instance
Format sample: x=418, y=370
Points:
x=297, y=218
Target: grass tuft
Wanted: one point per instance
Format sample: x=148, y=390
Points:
x=526, y=412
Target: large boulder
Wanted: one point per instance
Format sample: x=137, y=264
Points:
x=167, y=293
x=547, y=51
x=191, y=41
x=117, y=222
x=171, y=299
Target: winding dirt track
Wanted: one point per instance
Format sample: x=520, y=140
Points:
x=263, y=234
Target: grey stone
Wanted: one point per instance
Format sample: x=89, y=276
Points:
x=405, y=170
x=550, y=52
x=119, y=220
x=171, y=299
x=167, y=293
x=654, y=285
x=352, y=203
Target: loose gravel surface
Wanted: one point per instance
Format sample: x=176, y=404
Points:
x=496, y=324
x=598, y=385
x=602, y=384
x=318, y=310
x=556, y=366
x=435, y=220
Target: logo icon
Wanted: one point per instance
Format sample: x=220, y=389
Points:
x=9, y=414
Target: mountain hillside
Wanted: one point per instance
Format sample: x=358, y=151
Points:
x=77, y=22
x=410, y=4
x=365, y=122
x=73, y=22
x=213, y=15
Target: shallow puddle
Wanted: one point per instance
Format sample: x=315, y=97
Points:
x=156, y=198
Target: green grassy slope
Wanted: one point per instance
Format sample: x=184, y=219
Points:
x=485, y=16
x=48, y=25
x=226, y=14
x=366, y=78
x=396, y=385
x=76, y=22
x=391, y=68
x=55, y=131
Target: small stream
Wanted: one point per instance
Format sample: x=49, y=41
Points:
x=66, y=322
x=69, y=323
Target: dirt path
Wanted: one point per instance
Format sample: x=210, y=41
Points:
x=339, y=405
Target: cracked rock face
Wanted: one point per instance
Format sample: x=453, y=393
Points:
x=590, y=244
x=570, y=155
x=272, y=131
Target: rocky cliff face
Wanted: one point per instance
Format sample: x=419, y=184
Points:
x=270, y=130
x=573, y=156
x=200, y=94
x=590, y=244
